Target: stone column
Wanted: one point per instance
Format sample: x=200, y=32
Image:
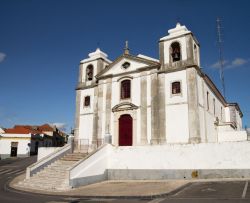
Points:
x=80, y=73
x=193, y=106
x=190, y=53
x=154, y=109
x=100, y=111
x=95, y=117
x=161, y=53
x=144, y=109
x=108, y=106
x=161, y=106
x=77, y=117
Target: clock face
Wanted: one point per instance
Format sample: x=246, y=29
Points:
x=125, y=65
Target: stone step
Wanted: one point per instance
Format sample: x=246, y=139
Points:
x=54, y=176
x=54, y=173
x=49, y=177
x=43, y=180
x=47, y=187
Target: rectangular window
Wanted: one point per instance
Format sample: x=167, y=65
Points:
x=207, y=100
x=86, y=101
x=176, y=88
x=221, y=113
x=214, y=105
x=125, y=89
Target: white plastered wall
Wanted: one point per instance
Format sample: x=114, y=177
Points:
x=86, y=115
x=211, y=114
x=149, y=136
x=177, y=130
x=118, y=69
x=22, y=147
x=201, y=103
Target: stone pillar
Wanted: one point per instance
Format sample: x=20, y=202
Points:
x=161, y=53
x=95, y=117
x=108, y=105
x=193, y=106
x=77, y=116
x=190, y=52
x=161, y=107
x=144, y=109
x=154, y=109
x=80, y=79
x=100, y=111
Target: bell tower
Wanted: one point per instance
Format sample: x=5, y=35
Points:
x=179, y=48
x=180, y=55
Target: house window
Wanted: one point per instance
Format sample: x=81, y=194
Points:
x=207, y=100
x=125, y=89
x=221, y=113
x=176, y=51
x=89, y=73
x=176, y=88
x=86, y=101
x=195, y=54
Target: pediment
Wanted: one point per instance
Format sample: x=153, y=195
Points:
x=124, y=106
x=126, y=64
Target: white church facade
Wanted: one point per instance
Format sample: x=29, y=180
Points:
x=139, y=100
x=166, y=110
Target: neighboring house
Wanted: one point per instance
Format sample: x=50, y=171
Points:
x=59, y=138
x=1, y=130
x=24, y=140
x=139, y=100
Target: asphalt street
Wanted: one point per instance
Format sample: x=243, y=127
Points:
x=10, y=168
x=196, y=192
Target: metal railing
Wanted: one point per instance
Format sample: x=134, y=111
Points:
x=84, y=145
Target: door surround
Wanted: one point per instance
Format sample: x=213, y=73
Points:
x=117, y=115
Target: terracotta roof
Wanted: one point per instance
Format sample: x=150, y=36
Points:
x=19, y=129
x=46, y=127
x=33, y=129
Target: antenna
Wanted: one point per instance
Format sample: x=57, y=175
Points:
x=221, y=60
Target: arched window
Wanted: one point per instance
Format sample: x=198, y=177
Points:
x=176, y=88
x=86, y=101
x=125, y=89
x=176, y=51
x=89, y=73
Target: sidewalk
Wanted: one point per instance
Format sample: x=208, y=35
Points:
x=144, y=188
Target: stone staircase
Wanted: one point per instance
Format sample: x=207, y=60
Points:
x=54, y=176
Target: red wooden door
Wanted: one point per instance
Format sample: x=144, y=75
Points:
x=125, y=130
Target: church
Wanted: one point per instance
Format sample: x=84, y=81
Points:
x=138, y=100
x=140, y=118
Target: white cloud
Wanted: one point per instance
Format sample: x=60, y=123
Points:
x=235, y=63
x=217, y=64
x=60, y=126
x=2, y=57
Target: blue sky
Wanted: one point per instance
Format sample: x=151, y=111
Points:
x=42, y=42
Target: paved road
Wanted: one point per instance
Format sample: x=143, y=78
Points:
x=199, y=192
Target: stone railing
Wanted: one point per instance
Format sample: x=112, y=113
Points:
x=85, y=146
x=92, y=168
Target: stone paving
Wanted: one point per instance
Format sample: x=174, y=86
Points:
x=113, y=188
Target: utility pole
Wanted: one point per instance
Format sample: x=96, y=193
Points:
x=221, y=60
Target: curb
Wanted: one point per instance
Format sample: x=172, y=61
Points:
x=7, y=187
